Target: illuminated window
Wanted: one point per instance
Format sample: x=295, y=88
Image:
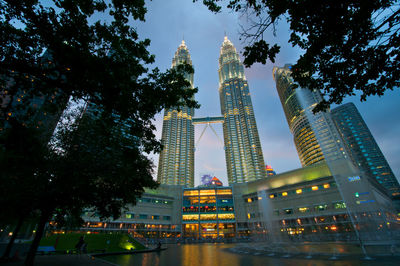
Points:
x=327, y=186
x=208, y=217
x=314, y=188
x=192, y=200
x=288, y=211
x=322, y=207
x=226, y=216
x=207, y=192
x=299, y=191
x=339, y=205
x=284, y=194
x=191, y=193
x=190, y=217
x=271, y=196
x=303, y=209
x=224, y=191
x=129, y=215
x=207, y=200
x=249, y=200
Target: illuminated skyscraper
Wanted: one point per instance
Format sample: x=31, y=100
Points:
x=244, y=158
x=363, y=147
x=176, y=164
x=310, y=131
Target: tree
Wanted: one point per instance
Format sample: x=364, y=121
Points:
x=79, y=50
x=21, y=156
x=349, y=45
x=96, y=163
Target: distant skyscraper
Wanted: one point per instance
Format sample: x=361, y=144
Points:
x=309, y=131
x=363, y=148
x=244, y=158
x=42, y=111
x=176, y=164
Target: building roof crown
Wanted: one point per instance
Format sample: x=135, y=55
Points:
x=227, y=46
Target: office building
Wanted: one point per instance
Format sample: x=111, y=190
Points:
x=363, y=148
x=33, y=110
x=315, y=135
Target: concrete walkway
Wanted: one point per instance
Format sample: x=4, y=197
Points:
x=62, y=260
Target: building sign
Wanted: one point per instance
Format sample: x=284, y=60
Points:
x=354, y=178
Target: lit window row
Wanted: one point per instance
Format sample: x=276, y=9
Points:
x=155, y=201
x=146, y=216
x=194, y=209
x=203, y=217
x=316, y=208
x=205, y=192
x=302, y=190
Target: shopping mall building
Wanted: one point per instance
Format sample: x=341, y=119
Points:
x=306, y=203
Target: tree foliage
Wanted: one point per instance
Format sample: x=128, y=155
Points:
x=349, y=46
x=52, y=51
x=101, y=163
x=93, y=52
x=84, y=50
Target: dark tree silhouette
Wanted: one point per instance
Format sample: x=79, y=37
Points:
x=50, y=52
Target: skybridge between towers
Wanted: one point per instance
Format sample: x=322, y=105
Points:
x=208, y=120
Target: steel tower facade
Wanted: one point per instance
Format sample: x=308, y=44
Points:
x=244, y=158
x=310, y=131
x=176, y=164
x=363, y=148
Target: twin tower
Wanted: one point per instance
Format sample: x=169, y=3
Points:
x=243, y=153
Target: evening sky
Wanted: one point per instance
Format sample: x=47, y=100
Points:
x=168, y=22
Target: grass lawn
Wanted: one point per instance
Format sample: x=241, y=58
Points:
x=110, y=242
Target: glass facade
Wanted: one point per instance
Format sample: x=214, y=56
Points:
x=309, y=130
x=244, y=158
x=176, y=164
x=208, y=213
x=33, y=110
x=363, y=148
